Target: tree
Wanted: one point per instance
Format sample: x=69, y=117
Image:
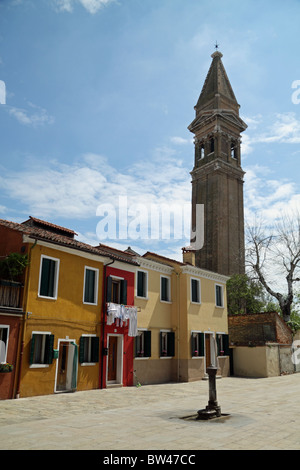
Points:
x=273, y=256
x=244, y=295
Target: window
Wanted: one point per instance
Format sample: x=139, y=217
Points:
x=116, y=290
x=197, y=343
x=165, y=294
x=167, y=344
x=222, y=344
x=143, y=344
x=41, y=348
x=142, y=284
x=212, y=144
x=233, y=150
x=4, y=335
x=90, y=295
x=48, y=277
x=195, y=291
x=219, y=296
x=89, y=349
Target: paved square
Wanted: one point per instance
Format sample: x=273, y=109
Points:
x=263, y=414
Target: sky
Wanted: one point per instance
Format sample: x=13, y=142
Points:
x=96, y=97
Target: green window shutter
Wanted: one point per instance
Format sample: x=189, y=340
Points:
x=47, y=277
x=164, y=288
x=195, y=296
x=89, y=291
x=31, y=349
x=147, y=343
x=49, y=349
x=141, y=284
x=160, y=343
x=226, y=345
x=171, y=344
x=108, y=288
x=95, y=349
x=201, y=344
x=81, y=349
x=123, y=296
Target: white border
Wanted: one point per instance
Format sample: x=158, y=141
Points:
x=95, y=286
x=56, y=276
x=222, y=287
x=199, y=290
x=146, y=282
x=169, y=289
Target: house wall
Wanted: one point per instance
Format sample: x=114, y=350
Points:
x=8, y=380
x=156, y=315
x=270, y=360
x=67, y=317
x=122, y=332
x=250, y=362
x=181, y=316
x=203, y=317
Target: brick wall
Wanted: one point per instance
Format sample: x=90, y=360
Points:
x=258, y=329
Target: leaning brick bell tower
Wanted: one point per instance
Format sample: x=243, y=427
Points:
x=217, y=176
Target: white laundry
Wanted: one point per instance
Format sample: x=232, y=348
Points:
x=120, y=314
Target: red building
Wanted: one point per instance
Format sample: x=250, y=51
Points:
x=119, y=319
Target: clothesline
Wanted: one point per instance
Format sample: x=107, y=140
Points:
x=121, y=314
x=127, y=306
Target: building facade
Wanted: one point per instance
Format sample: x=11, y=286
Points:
x=59, y=338
x=182, y=322
x=84, y=317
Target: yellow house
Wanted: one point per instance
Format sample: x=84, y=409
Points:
x=182, y=321
x=62, y=302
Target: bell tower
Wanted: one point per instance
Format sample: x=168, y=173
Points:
x=217, y=176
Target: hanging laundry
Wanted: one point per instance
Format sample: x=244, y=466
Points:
x=120, y=314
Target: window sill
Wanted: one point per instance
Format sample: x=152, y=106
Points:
x=166, y=301
x=140, y=297
x=37, y=366
x=165, y=357
x=141, y=358
x=88, y=363
x=46, y=297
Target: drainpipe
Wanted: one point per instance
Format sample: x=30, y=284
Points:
x=24, y=323
x=103, y=320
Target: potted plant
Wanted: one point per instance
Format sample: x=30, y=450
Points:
x=196, y=353
x=12, y=266
x=6, y=367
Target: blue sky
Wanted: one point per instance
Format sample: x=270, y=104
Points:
x=99, y=94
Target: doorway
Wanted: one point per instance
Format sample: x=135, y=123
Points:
x=66, y=366
x=115, y=359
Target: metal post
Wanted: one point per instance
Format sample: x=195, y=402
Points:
x=212, y=410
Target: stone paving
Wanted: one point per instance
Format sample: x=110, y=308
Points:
x=264, y=414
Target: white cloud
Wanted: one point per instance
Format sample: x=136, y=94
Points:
x=180, y=140
x=285, y=129
x=2, y=91
x=77, y=189
x=268, y=197
x=92, y=6
x=35, y=118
